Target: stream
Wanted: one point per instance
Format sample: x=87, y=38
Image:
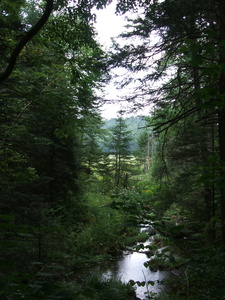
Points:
x=131, y=266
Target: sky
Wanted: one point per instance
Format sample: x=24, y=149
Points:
x=109, y=25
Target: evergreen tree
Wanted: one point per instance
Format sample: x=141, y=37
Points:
x=119, y=145
x=48, y=93
x=146, y=149
x=188, y=116
x=188, y=68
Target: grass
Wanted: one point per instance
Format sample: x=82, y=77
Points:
x=95, y=287
x=139, y=237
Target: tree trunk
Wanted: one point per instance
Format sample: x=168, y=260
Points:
x=222, y=116
x=203, y=151
x=222, y=168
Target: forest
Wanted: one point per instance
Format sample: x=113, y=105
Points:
x=75, y=189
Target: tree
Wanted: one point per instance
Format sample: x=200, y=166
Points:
x=146, y=149
x=90, y=133
x=27, y=37
x=119, y=147
x=49, y=92
x=189, y=65
x=12, y=13
x=188, y=112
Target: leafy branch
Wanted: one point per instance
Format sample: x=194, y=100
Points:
x=26, y=38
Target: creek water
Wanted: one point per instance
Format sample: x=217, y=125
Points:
x=131, y=267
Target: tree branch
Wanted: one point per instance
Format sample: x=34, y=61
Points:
x=28, y=36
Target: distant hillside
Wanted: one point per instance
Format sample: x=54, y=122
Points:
x=135, y=125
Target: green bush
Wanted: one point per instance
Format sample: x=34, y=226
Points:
x=103, y=233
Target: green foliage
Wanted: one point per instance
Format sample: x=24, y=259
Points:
x=47, y=99
x=98, y=288
x=120, y=137
x=97, y=199
x=199, y=273
x=189, y=255
x=112, y=224
x=104, y=232
x=29, y=259
x=102, y=235
x=134, y=125
x=118, y=145
x=128, y=200
x=50, y=131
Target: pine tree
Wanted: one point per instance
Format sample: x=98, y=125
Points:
x=119, y=147
x=191, y=36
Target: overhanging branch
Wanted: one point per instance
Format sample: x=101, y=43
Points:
x=27, y=37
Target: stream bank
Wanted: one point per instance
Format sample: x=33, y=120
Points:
x=130, y=267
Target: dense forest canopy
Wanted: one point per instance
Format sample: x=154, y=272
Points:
x=73, y=187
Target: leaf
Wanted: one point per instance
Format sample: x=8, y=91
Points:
x=147, y=264
x=151, y=282
x=6, y=218
x=57, y=267
x=43, y=274
x=172, y=259
x=131, y=282
x=35, y=286
x=143, y=283
x=26, y=234
x=139, y=247
x=36, y=263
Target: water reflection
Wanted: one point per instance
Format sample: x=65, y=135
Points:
x=131, y=266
